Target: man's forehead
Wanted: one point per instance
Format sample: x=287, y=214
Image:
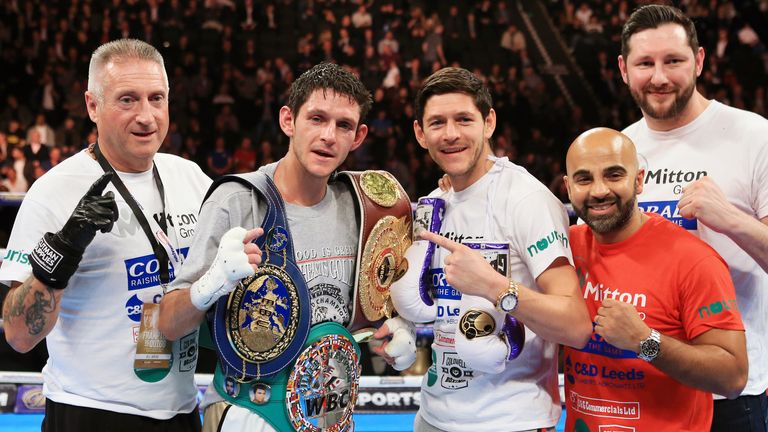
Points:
x=326, y=99
x=664, y=38
x=450, y=103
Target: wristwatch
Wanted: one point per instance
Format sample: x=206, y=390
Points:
x=650, y=348
x=507, y=300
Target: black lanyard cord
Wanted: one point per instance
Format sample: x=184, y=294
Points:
x=160, y=253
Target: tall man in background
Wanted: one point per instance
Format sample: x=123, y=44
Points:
x=707, y=170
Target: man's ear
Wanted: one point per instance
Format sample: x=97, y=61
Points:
x=419, y=133
x=623, y=69
x=639, y=181
x=91, y=104
x=362, y=132
x=567, y=187
x=699, y=58
x=286, y=121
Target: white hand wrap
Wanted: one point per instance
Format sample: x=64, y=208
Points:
x=486, y=351
x=228, y=268
x=402, y=347
x=405, y=292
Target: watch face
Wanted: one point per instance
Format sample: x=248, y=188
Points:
x=650, y=348
x=508, y=302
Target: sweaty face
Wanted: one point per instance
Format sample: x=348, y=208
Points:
x=661, y=71
x=456, y=135
x=132, y=115
x=323, y=132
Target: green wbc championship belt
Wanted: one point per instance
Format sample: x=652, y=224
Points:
x=317, y=394
x=261, y=326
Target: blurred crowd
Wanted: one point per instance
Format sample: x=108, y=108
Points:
x=230, y=64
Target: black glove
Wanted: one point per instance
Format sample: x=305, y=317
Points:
x=57, y=256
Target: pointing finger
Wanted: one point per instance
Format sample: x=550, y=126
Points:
x=439, y=240
x=98, y=186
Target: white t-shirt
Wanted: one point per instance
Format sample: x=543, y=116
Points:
x=731, y=147
x=93, y=343
x=507, y=205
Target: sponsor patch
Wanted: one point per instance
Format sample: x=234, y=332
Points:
x=46, y=256
x=442, y=289
x=188, y=352
x=669, y=211
x=144, y=271
x=455, y=374
x=545, y=242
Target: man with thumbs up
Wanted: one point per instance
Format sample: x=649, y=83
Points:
x=504, y=213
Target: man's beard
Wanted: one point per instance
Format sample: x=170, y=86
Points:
x=606, y=224
x=678, y=105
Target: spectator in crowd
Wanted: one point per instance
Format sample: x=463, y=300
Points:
x=244, y=159
x=12, y=182
x=44, y=131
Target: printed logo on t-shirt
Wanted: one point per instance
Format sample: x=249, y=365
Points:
x=615, y=428
x=144, y=271
x=455, y=374
x=671, y=176
x=442, y=289
x=16, y=256
x=717, y=307
x=545, y=242
x=611, y=374
x=135, y=305
x=328, y=304
x=188, y=352
x=669, y=211
x=604, y=408
x=597, y=292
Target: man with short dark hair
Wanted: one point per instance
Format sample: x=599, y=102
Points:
x=310, y=232
x=482, y=378
x=707, y=170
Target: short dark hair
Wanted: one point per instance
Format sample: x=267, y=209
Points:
x=330, y=76
x=453, y=80
x=653, y=16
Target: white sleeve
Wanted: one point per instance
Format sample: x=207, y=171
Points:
x=539, y=231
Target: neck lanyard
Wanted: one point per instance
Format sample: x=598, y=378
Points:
x=160, y=253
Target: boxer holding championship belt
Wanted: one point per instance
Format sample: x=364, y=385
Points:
x=272, y=374
x=260, y=327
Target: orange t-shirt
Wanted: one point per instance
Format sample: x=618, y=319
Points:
x=680, y=287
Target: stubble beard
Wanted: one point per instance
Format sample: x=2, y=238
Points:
x=607, y=224
x=678, y=105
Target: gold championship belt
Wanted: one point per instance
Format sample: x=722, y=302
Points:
x=385, y=214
